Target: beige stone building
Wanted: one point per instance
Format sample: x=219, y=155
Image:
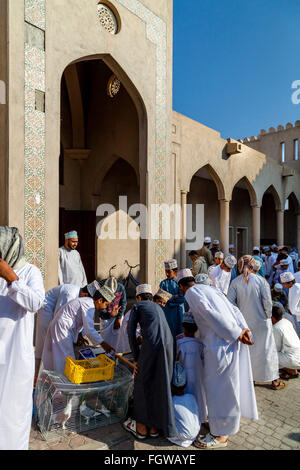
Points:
x=86, y=117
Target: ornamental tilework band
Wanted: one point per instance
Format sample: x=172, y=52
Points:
x=34, y=158
x=157, y=33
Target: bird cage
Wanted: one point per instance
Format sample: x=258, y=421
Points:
x=62, y=407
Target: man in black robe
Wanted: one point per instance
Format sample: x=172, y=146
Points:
x=153, y=407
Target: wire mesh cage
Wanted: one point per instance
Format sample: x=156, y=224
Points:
x=62, y=407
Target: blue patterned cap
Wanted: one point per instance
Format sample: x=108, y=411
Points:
x=202, y=279
x=179, y=376
x=72, y=234
x=188, y=318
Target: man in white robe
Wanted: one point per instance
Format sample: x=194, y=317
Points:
x=70, y=267
x=228, y=381
x=68, y=322
x=54, y=300
x=218, y=259
x=220, y=276
x=22, y=294
x=289, y=282
x=270, y=260
x=287, y=344
x=284, y=250
x=297, y=274
x=252, y=295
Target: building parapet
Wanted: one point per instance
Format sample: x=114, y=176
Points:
x=271, y=130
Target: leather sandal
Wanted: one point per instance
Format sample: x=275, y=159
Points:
x=279, y=386
x=130, y=426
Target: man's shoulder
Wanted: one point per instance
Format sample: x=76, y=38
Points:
x=29, y=269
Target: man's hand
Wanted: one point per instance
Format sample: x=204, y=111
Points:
x=81, y=341
x=135, y=369
x=117, y=324
x=245, y=337
x=7, y=273
x=139, y=340
x=107, y=348
x=115, y=312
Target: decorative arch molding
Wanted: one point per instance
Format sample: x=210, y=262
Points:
x=215, y=177
x=250, y=188
x=271, y=190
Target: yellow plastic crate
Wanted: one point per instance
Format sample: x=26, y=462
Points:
x=90, y=370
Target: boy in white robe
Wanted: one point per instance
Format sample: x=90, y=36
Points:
x=228, y=380
x=185, y=410
x=189, y=354
x=218, y=259
x=251, y=293
x=284, y=268
x=22, y=294
x=70, y=267
x=69, y=321
x=220, y=276
x=287, y=344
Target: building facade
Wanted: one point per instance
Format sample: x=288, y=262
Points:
x=86, y=117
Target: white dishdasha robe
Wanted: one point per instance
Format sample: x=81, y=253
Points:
x=70, y=268
x=54, y=300
x=189, y=354
x=228, y=380
x=18, y=303
x=220, y=279
x=63, y=332
x=255, y=302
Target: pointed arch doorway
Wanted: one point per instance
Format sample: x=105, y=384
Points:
x=103, y=152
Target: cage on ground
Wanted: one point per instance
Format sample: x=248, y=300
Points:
x=62, y=407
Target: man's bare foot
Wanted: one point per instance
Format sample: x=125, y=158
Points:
x=141, y=429
x=210, y=442
x=277, y=384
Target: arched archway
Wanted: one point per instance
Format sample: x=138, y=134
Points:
x=104, y=139
x=206, y=189
x=271, y=204
x=241, y=217
x=291, y=213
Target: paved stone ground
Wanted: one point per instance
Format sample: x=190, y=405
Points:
x=278, y=428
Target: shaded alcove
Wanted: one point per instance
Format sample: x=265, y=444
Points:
x=103, y=142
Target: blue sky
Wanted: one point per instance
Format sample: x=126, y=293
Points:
x=234, y=63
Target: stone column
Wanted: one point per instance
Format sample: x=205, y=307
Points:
x=280, y=227
x=256, y=226
x=224, y=226
x=183, y=229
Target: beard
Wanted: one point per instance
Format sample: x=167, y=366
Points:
x=71, y=246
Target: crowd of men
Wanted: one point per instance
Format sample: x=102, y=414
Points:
x=200, y=343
